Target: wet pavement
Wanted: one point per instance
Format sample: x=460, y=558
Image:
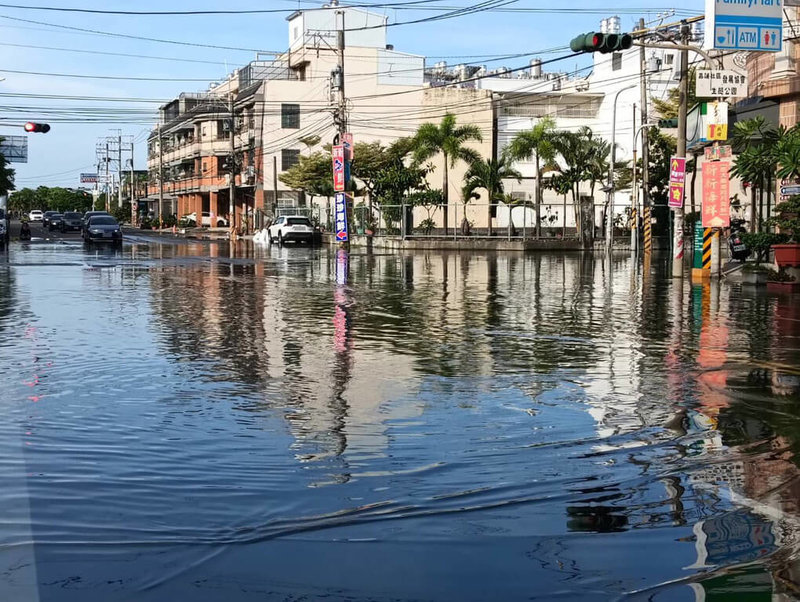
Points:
x=201, y=421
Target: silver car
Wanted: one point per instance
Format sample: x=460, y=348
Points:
x=103, y=228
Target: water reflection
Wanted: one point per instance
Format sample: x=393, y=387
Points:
x=423, y=426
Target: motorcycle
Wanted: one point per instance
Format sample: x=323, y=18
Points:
x=738, y=249
x=25, y=231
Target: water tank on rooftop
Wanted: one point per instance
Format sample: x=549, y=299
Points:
x=536, y=68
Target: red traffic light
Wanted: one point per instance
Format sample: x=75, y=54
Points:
x=37, y=127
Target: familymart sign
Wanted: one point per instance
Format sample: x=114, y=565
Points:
x=744, y=24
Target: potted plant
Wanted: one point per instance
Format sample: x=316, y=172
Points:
x=787, y=219
x=781, y=281
x=755, y=274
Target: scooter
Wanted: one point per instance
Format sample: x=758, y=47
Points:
x=25, y=231
x=739, y=250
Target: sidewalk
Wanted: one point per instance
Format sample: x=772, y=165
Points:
x=215, y=234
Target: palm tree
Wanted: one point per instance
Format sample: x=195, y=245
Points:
x=448, y=139
x=577, y=153
x=537, y=143
x=760, y=148
x=489, y=174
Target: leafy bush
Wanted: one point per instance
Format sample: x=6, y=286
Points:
x=760, y=242
x=427, y=225
x=169, y=221
x=787, y=217
x=779, y=276
x=146, y=224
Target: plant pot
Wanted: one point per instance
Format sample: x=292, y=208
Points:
x=787, y=255
x=754, y=278
x=783, y=287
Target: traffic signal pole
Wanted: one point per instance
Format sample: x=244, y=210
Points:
x=683, y=106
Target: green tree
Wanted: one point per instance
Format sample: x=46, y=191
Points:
x=23, y=201
x=667, y=107
x=760, y=147
x=538, y=144
x=6, y=175
x=311, y=175
x=488, y=175
x=449, y=140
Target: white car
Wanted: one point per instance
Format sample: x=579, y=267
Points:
x=219, y=221
x=36, y=215
x=291, y=228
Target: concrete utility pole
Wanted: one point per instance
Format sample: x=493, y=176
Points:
x=342, y=113
x=232, y=166
x=133, y=191
x=275, y=186
x=645, y=119
x=160, y=175
x=683, y=106
x=108, y=188
x=119, y=169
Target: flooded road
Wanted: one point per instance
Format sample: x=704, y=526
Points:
x=188, y=421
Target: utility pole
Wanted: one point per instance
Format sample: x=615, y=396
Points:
x=677, y=250
x=108, y=188
x=133, y=191
x=160, y=175
x=342, y=111
x=275, y=186
x=119, y=168
x=644, y=119
x=232, y=169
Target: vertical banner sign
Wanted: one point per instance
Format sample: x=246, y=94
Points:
x=716, y=195
x=339, y=179
x=341, y=217
x=677, y=181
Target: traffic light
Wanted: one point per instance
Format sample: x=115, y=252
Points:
x=668, y=123
x=32, y=127
x=601, y=42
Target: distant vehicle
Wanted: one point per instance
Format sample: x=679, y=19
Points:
x=54, y=221
x=191, y=218
x=291, y=228
x=87, y=216
x=36, y=215
x=72, y=221
x=46, y=218
x=102, y=228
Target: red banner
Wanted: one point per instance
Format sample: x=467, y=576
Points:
x=339, y=179
x=716, y=194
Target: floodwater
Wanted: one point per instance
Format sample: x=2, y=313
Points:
x=184, y=422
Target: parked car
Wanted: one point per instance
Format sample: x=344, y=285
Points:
x=54, y=221
x=102, y=228
x=291, y=228
x=219, y=221
x=36, y=216
x=86, y=217
x=72, y=221
x=46, y=218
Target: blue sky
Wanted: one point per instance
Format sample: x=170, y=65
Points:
x=58, y=157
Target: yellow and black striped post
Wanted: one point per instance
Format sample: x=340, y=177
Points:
x=648, y=231
x=708, y=234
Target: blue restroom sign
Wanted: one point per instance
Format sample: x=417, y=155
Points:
x=744, y=25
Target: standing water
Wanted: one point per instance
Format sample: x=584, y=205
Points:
x=185, y=423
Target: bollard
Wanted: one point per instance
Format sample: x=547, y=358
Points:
x=716, y=262
x=634, y=230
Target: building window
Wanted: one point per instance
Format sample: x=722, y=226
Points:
x=670, y=58
x=616, y=61
x=290, y=117
x=289, y=158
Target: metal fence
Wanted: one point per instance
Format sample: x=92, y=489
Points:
x=498, y=220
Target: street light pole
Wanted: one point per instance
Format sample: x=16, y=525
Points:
x=610, y=183
x=677, y=250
